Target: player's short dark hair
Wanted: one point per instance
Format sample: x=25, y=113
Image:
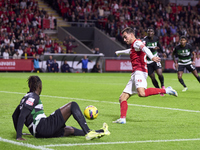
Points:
x=150, y=28
x=33, y=83
x=183, y=37
x=128, y=30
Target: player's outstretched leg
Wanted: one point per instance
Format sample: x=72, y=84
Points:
x=73, y=109
x=169, y=90
x=155, y=91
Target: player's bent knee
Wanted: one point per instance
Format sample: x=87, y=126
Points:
x=141, y=94
x=123, y=97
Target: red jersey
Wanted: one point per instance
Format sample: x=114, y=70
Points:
x=40, y=50
x=138, y=57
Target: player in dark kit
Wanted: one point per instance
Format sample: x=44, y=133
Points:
x=184, y=53
x=152, y=42
x=30, y=112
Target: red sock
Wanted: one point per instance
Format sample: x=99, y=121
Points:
x=123, y=109
x=154, y=91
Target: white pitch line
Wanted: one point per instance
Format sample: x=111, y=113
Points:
x=81, y=99
x=23, y=144
x=122, y=142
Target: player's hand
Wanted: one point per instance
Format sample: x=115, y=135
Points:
x=156, y=59
x=156, y=48
x=193, y=63
x=21, y=139
x=117, y=54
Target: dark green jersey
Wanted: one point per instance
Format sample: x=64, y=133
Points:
x=152, y=44
x=32, y=109
x=184, y=54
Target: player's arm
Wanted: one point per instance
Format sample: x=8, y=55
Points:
x=194, y=55
x=21, y=119
x=79, y=62
x=150, y=55
x=174, y=58
x=123, y=52
x=15, y=117
x=148, y=52
x=161, y=49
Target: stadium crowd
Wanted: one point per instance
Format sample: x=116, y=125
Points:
x=170, y=21
x=22, y=23
x=22, y=26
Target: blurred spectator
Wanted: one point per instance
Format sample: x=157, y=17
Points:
x=16, y=55
x=40, y=50
x=36, y=65
x=69, y=47
x=33, y=52
x=7, y=41
x=197, y=50
x=197, y=62
x=57, y=48
x=96, y=50
x=84, y=62
x=25, y=54
x=163, y=31
x=65, y=67
x=3, y=49
x=6, y=54
x=173, y=29
x=96, y=68
x=55, y=67
x=49, y=64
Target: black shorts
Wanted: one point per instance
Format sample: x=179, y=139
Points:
x=52, y=126
x=189, y=67
x=153, y=66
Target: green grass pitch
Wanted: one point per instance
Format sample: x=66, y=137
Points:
x=154, y=122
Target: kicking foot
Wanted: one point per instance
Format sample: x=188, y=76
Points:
x=185, y=89
x=171, y=91
x=92, y=135
x=105, y=129
x=120, y=120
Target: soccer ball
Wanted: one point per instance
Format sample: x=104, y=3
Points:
x=91, y=112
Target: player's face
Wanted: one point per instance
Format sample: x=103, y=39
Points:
x=183, y=41
x=150, y=33
x=128, y=38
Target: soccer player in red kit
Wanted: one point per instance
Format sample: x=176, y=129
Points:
x=137, y=84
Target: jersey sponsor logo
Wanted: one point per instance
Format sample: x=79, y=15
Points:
x=30, y=101
x=139, y=80
x=184, y=52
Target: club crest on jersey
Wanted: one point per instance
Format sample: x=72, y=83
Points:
x=30, y=101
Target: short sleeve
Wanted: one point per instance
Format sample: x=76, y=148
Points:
x=138, y=45
x=31, y=102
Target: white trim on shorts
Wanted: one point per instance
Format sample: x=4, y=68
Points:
x=138, y=79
